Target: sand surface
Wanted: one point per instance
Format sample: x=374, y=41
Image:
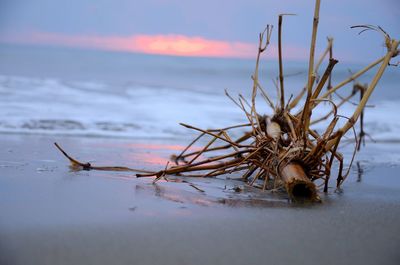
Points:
x=52, y=215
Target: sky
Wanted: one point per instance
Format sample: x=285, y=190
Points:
x=207, y=28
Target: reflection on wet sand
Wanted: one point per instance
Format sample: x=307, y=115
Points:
x=213, y=195
x=360, y=171
x=228, y=190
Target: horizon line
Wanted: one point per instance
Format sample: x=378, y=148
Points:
x=161, y=44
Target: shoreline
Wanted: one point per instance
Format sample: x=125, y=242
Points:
x=186, y=137
x=52, y=215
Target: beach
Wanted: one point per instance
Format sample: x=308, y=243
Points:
x=124, y=110
x=221, y=139
x=53, y=215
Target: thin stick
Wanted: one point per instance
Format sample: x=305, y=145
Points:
x=282, y=94
x=327, y=73
x=344, y=100
x=264, y=94
x=266, y=179
x=88, y=166
x=204, y=148
x=362, y=132
x=212, y=134
x=224, y=133
x=353, y=77
x=330, y=40
x=297, y=99
x=321, y=59
x=350, y=123
x=255, y=80
x=199, y=166
x=352, y=157
x=188, y=146
x=241, y=139
x=233, y=100
x=331, y=162
x=301, y=94
x=306, y=115
x=231, y=127
x=311, y=74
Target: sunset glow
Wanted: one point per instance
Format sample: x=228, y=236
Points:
x=191, y=46
x=176, y=45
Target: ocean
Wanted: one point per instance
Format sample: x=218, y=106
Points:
x=123, y=109
x=61, y=91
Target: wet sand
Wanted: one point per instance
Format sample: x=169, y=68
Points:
x=52, y=215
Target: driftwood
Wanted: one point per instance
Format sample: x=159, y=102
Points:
x=280, y=149
x=297, y=184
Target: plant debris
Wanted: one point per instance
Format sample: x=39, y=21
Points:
x=280, y=149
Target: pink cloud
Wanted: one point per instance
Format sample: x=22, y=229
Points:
x=178, y=45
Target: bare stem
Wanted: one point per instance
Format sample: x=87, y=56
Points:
x=350, y=123
x=311, y=74
x=282, y=93
x=353, y=77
